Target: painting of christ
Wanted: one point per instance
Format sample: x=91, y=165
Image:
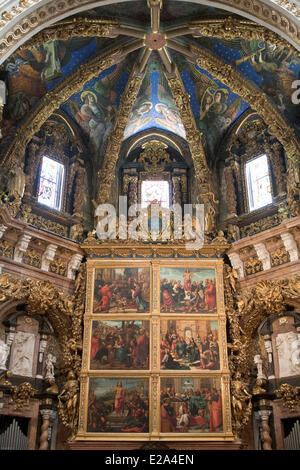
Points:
x=191, y=405
x=120, y=344
x=187, y=290
x=189, y=345
x=122, y=290
x=118, y=405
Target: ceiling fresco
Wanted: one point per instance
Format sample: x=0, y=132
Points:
x=213, y=104
x=95, y=107
x=154, y=106
x=272, y=68
x=34, y=72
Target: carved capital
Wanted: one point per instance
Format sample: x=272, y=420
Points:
x=48, y=256
x=2, y=230
x=74, y=265
x=290, y=246
x=237, y=264
x=263, y=255
x=21, y=247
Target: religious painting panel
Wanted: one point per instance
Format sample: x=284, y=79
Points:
x=187, y=290
x=191, y=405
x=120, y=345
x=118, y=405
x=122, y=289
x=189, y=345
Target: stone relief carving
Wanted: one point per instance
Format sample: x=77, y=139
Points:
x=22, y=356
x=288, y=351
x=4, y=351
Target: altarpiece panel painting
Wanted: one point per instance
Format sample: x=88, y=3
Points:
x=118, y=405
x=191, y=405
x=120, y=344
x=124, y=290
x=189, y=344
x=187, y=290
x=154, y=360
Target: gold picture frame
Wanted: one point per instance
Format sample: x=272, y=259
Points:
x=129, y=326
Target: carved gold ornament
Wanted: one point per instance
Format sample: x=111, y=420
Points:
x=21, y=394
x=290, y=396
x=154, y=158
x=245, y=311
x=65, y=313
x=75, y=27
x=231, y=28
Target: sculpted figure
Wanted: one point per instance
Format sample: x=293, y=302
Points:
x=67, y=401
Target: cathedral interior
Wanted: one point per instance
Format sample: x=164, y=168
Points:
x=120, y=334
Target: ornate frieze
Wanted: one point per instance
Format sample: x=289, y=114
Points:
x=267, y=250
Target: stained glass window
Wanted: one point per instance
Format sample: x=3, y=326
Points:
x=51, y=183
x=155, y=192
x=258, y=182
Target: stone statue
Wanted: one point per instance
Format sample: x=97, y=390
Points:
x=4, y=351
x=49, y=363
x=258, y=362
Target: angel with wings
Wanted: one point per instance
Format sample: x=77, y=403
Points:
x=277, y=66
x=97, y=112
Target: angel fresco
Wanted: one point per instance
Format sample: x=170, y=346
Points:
x=218, y=107
x=138, y=118
x=95, y=109
x=31, y=70
x=275, y=67
x=216, y=112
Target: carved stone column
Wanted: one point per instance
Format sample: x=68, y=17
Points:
x=132, y=190
x=274, y=153
x=230, y=192
x=34, y=156
x=266, y=436
x=47, y=415
x=176, y=197
x=184, y=189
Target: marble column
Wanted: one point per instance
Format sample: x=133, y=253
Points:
x=266, y=432
x=45, y=436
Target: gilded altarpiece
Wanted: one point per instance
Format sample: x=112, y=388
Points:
x=155, y=355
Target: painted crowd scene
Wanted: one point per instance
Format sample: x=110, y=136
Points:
x=120, y=344
x=122, y=290
x=187, y=345
x=191, y=405
x=187, y=290
x=119, y=405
